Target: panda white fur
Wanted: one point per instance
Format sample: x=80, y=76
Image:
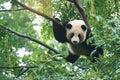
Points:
x=75, y=33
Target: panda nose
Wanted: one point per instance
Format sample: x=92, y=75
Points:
x=75, y=42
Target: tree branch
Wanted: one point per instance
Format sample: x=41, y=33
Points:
x=21, y=73
x=15, y=67
x=70, y=0
x=11, y=10
x=18, y=67
x=29, y=38
x=39, y=13
x=80, y=9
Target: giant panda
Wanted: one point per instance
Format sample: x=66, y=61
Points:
x=75, y=33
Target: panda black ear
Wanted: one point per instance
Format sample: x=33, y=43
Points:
x=83, y=27
x=69, y=26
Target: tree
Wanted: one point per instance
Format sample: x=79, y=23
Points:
x=31, y=32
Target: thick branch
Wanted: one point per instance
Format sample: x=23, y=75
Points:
x=71, y=0
x=80, y=9
x=39, y=13
x=29, y=38
x=11, y=10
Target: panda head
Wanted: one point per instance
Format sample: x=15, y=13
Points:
x=76, y=31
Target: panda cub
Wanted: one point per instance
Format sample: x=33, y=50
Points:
x=75, y=33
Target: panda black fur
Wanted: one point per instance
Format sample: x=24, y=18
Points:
x=59, y=32
x=75, y=33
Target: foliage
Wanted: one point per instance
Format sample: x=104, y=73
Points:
x=104, y=19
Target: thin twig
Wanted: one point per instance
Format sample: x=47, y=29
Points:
x=18, y=67
x=15, y=67
x=21, y=73
x=11, y=10
x=29, y=38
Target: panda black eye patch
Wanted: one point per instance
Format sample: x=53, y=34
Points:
x=69, y=26
x=79, y=36
x=71, y=35
x=83, y=27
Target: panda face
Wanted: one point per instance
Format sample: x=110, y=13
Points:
x=76, y=31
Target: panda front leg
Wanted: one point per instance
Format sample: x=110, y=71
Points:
x=71, y=57
x=59, y=32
